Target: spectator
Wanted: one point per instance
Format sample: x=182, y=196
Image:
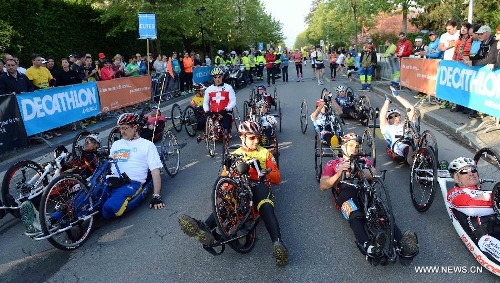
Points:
x=420, y=48
x=285, y=59
x=297, y=57
x=51, y=66
x=102, y=60
x=118, y=69
x=461, y=54
x=208, y=62
x=160, y=64
x=6, y=57
x=367, y=62
x=143, y=67
x=12, y=81
x=133, y=69
x=432, y=50
x=38, y=74
x=333, y=64
x=188, y=64
x=72, y=59
x=341, y=63
x=90, y=72
x=448, y=40
x=19, y=68
x=476, y=43
x=67, y=76
x=497, y=59
x=270, y=58
x=352, y=51
x=350, y=65
x=107, y=72
x=390, y=49
x=197, y=60
x=77, y=65
x=404, y=48
x=2, y=67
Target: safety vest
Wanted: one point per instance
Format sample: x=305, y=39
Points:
x=245, y=60
x=252, y=60
x=219, y=61
x=278, y=57
x=260, y=59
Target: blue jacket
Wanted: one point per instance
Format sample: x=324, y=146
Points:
x=9, y=84
x=434, y=46
x=285, y=59
x=176, y=67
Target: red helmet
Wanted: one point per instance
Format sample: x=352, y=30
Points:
x=128, y=119
x=249, y=127
x=350, y=136
x=199, y=87
x=318, y=102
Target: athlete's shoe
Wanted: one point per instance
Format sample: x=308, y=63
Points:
x=377, y=244
x=280, y=253
x=196, y=229
x=420, y=95
x=28, y=217
x=444, y=104
x=409, y=247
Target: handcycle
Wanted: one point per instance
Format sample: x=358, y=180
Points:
x=361, y=105
x=255, y=100
x=26, y=180
x=488, y=165
x=235, y=213
x=189, y=118
x=68, y=206
x=374, y=200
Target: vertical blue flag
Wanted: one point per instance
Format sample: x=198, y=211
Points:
x=147, y=26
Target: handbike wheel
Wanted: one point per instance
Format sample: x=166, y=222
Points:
x=488, y=166
x=113, y=136
x=210, y=137
x=381, y=218
x=176, y=116
x=318, y=156
x=170, y=153
x=246, y=111
x=64, y=212
x=429, y=140
x=191, y=121
x=275, y=97
x=231, y=207
x=349, y=92
x=423, y=179
x=368, y=145
x=19, y=182
x=276, y=151
x=280, y=114
x=303, y=116
x=364, y=108
x=78, y=144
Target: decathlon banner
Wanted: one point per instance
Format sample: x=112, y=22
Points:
x=474, y=87
x=118, y=93
x=147, y=26
x=50, y=108
x=202, y=74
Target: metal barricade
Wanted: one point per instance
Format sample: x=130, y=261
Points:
x=164, y=87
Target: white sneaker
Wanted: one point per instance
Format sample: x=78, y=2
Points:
x=29, y=217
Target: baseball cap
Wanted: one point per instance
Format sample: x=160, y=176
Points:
x=101, y=55
x=483, y=29
x=432, y=32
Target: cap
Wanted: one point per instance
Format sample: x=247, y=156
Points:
x=432, y=32
x=71, y=55
x=43, y=60
x=483, y=29
x=101, y=55
x=418, y=39
x=154, y=107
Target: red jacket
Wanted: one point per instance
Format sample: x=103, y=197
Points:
x=270, y=58
x=404, y=48
x=462, y=48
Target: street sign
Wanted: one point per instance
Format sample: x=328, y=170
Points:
x=147, y=26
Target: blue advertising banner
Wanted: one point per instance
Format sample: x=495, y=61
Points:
x=147, y=26
x=54, y=107
x=474, y=87
x=202, y=74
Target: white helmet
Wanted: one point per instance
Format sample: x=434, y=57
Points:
x=233, y=52
x=220, y=52
x=94, y=137
x=341, y=88
x=245, y=53
x=391, y=111
x=459, y=163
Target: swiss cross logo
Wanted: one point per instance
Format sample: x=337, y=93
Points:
x=218, y=97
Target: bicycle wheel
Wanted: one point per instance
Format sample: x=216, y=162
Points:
x=176, y=116
x=79, y=143
x=488, y=166
x=275, y=97
x=337, y=126
x=191, y=120
x=381, y=218
x=65, y=212
x=246, y=111
x=280, y=114
x=364, y=107
x=210, y=137
x=429, y=140
x=303, y=116
x=170, y=153
x=113, y=136
x=20, y=182
x=368, y=145
x=318, y=157
x=423, y=179
x=234, y=215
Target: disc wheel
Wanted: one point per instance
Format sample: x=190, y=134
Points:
x=66, y=205
x=170, y=153
x=20, y=182
x=191, y=120
x=113, y=136
x=210, y=136
x=381, y=218
x=176, y=116
x=368, y=145
x=488, y=166
x=303, y=116
x=423, y=179
x=231, y=207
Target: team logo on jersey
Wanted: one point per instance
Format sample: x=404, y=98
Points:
x=121, y=155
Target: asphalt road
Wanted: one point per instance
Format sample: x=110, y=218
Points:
x=148, y=246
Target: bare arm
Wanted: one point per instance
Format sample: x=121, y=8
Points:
x=328, y=182
x=316, y=112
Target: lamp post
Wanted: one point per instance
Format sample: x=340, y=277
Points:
x=200, y=13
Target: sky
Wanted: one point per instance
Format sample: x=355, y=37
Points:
x=291, y=14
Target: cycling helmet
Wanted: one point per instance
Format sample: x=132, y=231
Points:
x=249, y=127
x=198, y=87
x=233, y=52
x=349, y=137
x=94, y=137
x=216, y=71
x=390, y=111
x=220, y=52
x=341, y=88
x=245, y=53
x=128, y=118
x=459, y=163
x=319, y=102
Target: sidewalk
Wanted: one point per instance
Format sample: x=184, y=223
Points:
x=470, y=132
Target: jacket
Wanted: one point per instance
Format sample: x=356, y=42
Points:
x=9, y=84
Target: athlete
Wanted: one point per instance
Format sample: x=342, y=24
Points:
x=205, y=232
x=220, y=98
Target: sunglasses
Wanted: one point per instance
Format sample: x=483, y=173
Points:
x=252, y=138
x=467, y=171
x=353, y=144
x=393, y=116
x=217, y=76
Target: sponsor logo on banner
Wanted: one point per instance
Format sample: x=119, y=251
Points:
x=419, y=74
x=202, y=74
x=54, y=107
x=474, y=87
